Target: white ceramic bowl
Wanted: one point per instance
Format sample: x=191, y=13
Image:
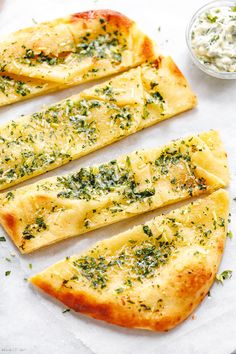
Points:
x=202, y=66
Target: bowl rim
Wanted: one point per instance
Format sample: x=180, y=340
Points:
x=197, y=62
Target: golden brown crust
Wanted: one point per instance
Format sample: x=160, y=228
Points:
x=190, y=281
x=10, y=221
x=115, y=19
x=109, y=312
x=181, y=79
x=112, y=17
x=175, y=70
x=11, y=224
x=147, y=49
x=115, y=313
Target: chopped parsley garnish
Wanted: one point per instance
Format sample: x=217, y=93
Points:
x=153, y=84
x=211, y=18
x=8, y=84
x=32, y=59
x=29, y=54
x=107, y=91
x=66, y=310
x=102, y=47
x=2, y=239
x=226, y=274
x=31, y=230
x=147, y=230
x=150, y=257
x=157, y=96
x=171, y=157
x=10, y=195
x=21, y=88
x=94, y=270
x=119, y=290
x=41, y=224
x=90, y=182
x=142, y=260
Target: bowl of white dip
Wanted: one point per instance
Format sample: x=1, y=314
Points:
x=211, y=39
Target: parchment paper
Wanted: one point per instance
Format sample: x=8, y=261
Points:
x=33, y=323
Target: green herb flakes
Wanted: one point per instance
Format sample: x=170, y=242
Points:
x=226, y=274
x=147, y=230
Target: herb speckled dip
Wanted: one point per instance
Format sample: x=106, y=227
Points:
x=211, y=39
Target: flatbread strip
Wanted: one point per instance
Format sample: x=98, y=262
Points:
x=60, y=207
x=69, y=51
x=15, y=88
x=92, y=119
x=152, y=276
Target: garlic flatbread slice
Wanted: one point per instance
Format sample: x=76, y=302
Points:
x=60, y=207
x=77, y=48
x=152, y=276
x=14, y=88
x=92, y=119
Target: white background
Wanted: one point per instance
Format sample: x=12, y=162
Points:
x=31, y=322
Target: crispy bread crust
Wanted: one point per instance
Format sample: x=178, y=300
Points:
x=147, y=50
x=113, y=17
x=116, y=19
x=199, y=280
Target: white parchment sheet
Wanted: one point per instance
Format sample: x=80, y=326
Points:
x=31, y=322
